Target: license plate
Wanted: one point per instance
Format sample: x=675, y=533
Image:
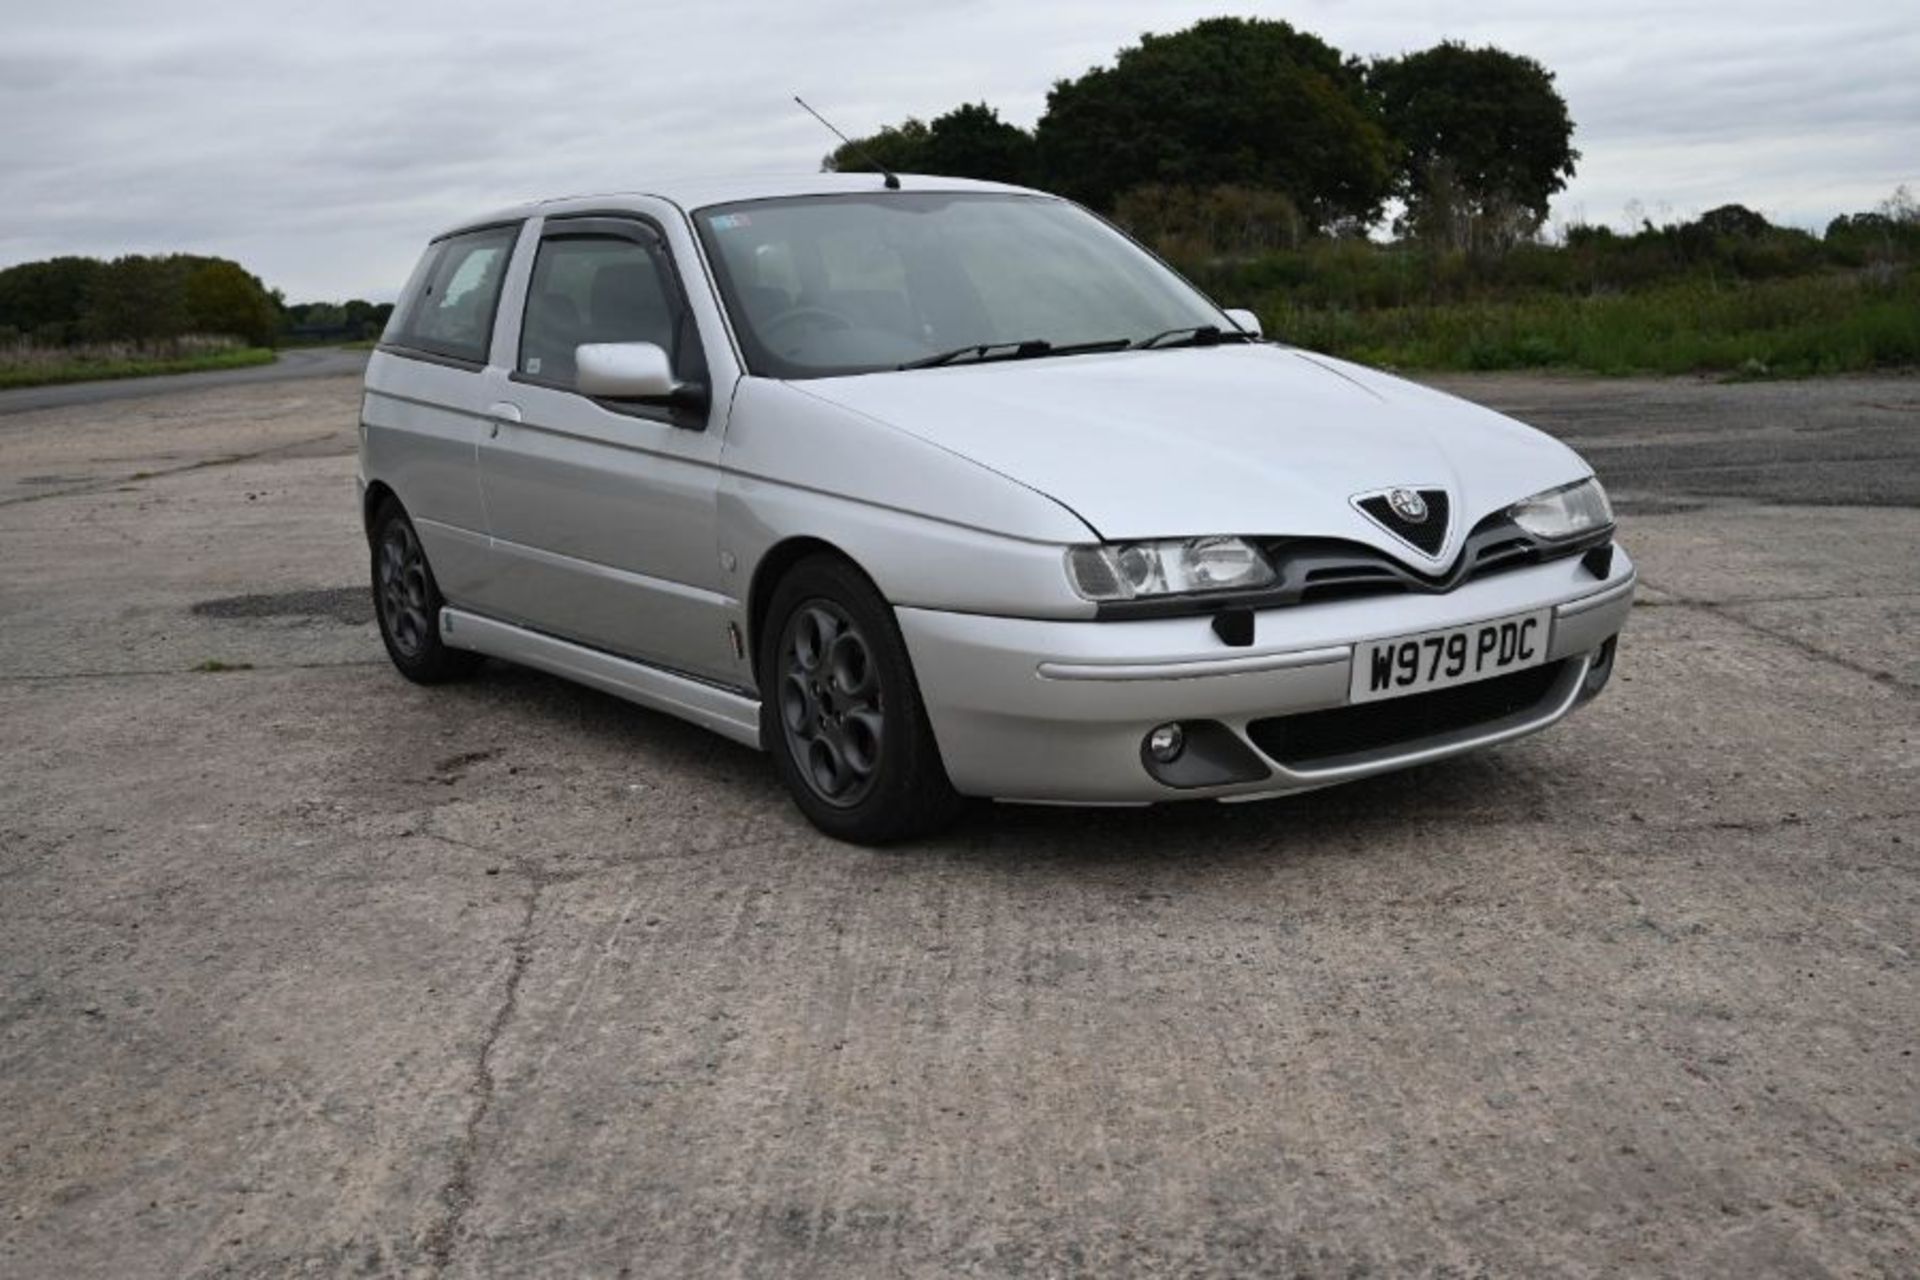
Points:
x=1402, y=665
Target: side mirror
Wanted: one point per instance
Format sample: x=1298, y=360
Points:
x=1245, y=321
x=623, y=371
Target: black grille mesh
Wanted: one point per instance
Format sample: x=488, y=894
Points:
x=1429, y=535
x=1321, y=735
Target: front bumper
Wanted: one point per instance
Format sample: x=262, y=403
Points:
x=1051, y=711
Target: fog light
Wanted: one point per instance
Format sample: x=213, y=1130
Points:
x=1166, y=743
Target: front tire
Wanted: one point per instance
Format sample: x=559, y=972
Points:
x=407, y=603
x=841, y=712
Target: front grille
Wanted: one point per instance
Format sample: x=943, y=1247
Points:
x=1513, y=553
x=1325, y=569
x=1314, y=737
x=1312, y=570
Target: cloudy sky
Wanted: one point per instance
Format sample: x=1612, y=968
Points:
x=321, y=144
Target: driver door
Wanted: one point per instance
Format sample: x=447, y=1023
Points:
x=602, y=513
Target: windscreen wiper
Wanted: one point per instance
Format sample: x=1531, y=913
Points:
x=1027, y=350
x=1194, y=335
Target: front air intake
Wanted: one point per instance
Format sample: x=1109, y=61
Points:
x=1313, y=739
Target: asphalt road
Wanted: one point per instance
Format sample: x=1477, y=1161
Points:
x=296, y=362
x=1668, y=444
x=307, y=971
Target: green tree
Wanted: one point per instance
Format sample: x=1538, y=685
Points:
x=360, y=318
x=135, y=298
x=1881, y=237
x=1485, y=142
x=901, y=148
x=324, y=316
x=46, y=300
x=972, y=141
x=1227, y=102
x=222, y=297
x=1733, y=220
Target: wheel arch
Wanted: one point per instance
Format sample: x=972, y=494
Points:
x=377, y=495
x=772, y=567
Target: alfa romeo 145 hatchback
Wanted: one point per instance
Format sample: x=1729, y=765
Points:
x=941, y=488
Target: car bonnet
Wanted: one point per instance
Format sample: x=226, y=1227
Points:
x=1256, y=440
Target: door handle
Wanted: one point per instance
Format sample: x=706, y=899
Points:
x=498, y=412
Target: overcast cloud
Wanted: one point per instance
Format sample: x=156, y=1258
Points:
x=321, y=144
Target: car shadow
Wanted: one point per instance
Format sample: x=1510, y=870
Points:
x=1336, y=821
x=1344, y=820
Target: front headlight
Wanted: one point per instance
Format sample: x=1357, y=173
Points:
x=1566, y=512
x=1174, y=566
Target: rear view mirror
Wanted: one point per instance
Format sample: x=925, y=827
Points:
x=1245, y=321
x=623, y=371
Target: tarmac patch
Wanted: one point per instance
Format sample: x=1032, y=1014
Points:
x=351, y=605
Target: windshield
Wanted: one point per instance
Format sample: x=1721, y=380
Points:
x=823, y=285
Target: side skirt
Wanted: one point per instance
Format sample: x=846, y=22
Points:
x=727, y=713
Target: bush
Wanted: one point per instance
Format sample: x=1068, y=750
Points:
x=1200, y=230
x=136, y=299
x=1816, y=325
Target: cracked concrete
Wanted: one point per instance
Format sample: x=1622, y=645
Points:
x=1809, y=647
x=307, y=971
x=456, y=1196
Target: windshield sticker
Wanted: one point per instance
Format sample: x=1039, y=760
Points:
x=728, y=221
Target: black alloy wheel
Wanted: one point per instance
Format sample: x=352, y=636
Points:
x=407, y=603
x=401, y=580
x=831, y=706
x=841, y=710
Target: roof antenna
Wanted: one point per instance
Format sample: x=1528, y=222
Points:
x=859, y=153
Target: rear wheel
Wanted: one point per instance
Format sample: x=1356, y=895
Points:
x=841, y=712
x=407, y=603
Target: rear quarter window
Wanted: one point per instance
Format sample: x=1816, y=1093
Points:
x=450, y=304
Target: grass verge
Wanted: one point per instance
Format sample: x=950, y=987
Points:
x=1778, y=328
x=82, y=370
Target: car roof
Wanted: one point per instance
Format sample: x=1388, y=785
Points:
x=699, y=192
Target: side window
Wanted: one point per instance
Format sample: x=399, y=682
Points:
x=451, y=314
x=602, y=288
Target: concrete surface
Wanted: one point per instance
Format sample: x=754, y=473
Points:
x=306, y=971
x=291, y=364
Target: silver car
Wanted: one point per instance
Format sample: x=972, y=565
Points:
x=950, y=489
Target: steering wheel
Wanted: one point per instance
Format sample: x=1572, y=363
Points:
x=794, y=315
